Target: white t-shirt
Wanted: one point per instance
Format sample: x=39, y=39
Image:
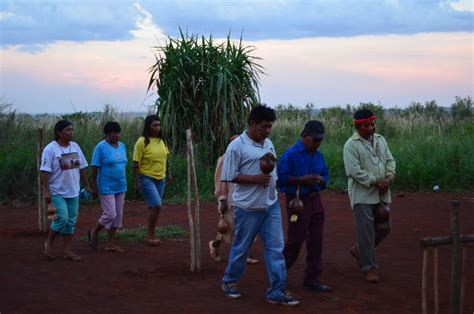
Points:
x=63, y=164
x=243, y=156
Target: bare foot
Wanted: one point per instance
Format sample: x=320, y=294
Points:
x=72, y=256
x=115, y=249
x=47, y=250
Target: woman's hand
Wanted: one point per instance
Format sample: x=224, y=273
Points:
x=47, y=197
x=169, y=179
x=138, y=188
x=95, y=193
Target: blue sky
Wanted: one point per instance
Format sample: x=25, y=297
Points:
x=79, y=55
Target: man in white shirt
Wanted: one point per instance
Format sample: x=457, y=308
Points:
x=257, y=210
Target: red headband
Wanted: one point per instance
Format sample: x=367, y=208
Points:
x=360, y=121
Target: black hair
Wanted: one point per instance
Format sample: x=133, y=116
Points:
x=362, y=114
x=111, y=126
x=261, y=113
x=146, y=128
x=60, y=125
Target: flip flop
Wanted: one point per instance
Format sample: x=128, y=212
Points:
x=46, y=252
x=115, y=249
x=252, y=261
x=92, y=243
x=153, y=242
x=73, y=257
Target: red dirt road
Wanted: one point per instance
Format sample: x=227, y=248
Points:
x=158, y=280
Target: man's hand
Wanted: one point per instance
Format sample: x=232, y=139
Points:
x=311, y=179
x=262, y=179
x=222, y=207
x=383, y=185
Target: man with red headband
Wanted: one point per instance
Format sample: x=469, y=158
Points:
x=370, y=168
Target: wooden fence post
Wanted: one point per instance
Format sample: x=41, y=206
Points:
x=40, y=199
x=456, y=260
x=194, y=224
x=423, y=281
x=189, y=207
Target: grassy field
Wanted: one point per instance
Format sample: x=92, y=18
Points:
x=432, y=146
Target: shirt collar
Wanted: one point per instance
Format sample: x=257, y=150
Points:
x=356, y=136
x=300, y=146
x=247, y=140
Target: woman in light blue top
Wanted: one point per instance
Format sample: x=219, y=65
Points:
x=109, y=181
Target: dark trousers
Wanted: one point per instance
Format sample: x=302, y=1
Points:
x=309, y=227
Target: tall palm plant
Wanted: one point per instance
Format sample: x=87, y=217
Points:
x=204, y=86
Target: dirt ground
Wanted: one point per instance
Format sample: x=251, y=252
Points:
x=157, y=280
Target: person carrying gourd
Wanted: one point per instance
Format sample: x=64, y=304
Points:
x=302, y=174
x=225, y=208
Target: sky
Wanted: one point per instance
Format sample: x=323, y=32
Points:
x=68, y=56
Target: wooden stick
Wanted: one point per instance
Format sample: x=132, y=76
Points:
x=40, y=199
x=455, y=259
x=423, y=282
x=197, y=227
x=435, y=241
x=189, y=209
x=463, y=278
x=435, y=280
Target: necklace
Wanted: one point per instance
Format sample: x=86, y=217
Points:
x=374, y=154
x=61, y=148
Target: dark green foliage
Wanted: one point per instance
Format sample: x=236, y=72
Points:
x=205, y=86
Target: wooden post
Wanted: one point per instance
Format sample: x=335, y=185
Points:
x=435, y=280
x=423, y=282
x=463, y=278
x=455, y=260
x=40, y=199
x=189, y=207
x=197, y=226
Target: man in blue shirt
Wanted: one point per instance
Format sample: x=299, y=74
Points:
x=303, y=167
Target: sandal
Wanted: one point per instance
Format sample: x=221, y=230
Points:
x=46, y=251
x=252, y=261
x=115, y=249
x=153, y=242
x=73, y=257
x=92, y=242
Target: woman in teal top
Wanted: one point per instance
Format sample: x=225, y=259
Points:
x=109, y=160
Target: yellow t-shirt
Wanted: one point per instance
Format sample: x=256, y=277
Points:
x=152, y=158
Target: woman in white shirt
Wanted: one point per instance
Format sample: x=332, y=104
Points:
x=62, y=167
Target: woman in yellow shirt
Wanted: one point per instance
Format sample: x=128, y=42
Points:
x=151, y=171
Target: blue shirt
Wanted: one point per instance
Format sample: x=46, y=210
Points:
x=111, y=162
x=297, y=161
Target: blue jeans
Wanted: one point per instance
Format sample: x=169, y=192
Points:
x=66, y=214
x=153, y=190
x=268, y=224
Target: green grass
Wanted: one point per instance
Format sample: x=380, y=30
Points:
x=139, y=234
